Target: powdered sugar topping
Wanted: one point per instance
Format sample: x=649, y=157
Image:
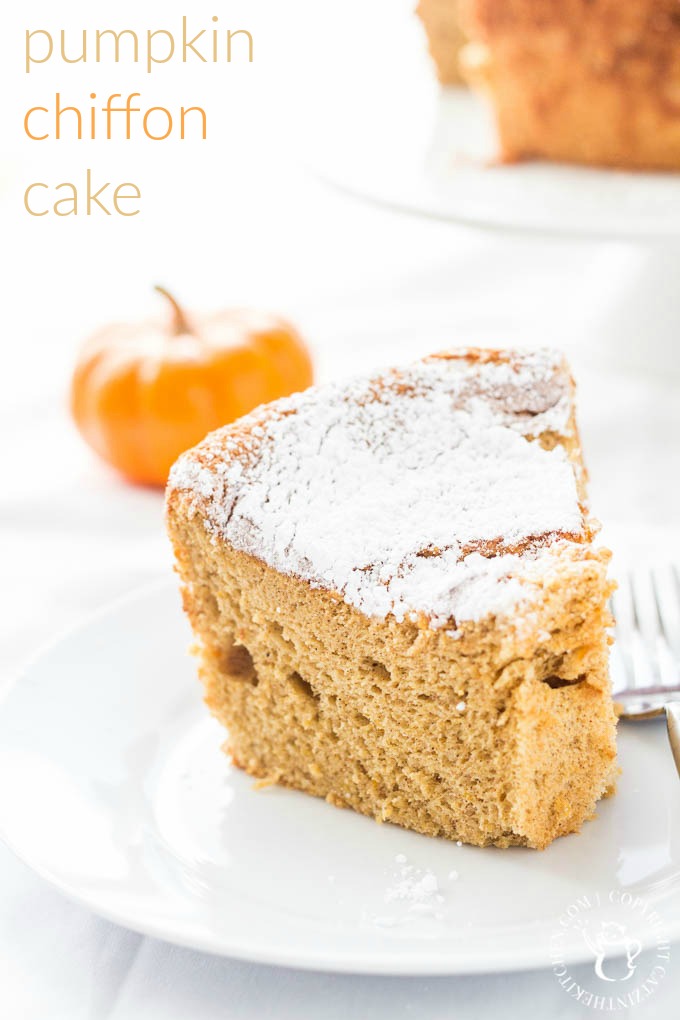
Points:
x=415, y=492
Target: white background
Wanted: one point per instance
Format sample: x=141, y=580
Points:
x=238, y=219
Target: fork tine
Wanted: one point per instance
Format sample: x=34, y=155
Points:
x=644, y=639
x=628, y=637
x=620, y=607
x=668, y=613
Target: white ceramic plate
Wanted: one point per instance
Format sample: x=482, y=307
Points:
x=410, y=145
x=113, y=787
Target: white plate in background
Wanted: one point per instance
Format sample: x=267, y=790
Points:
x=414, y=146
x=113, y=788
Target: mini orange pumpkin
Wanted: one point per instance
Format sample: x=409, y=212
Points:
x=142, y=394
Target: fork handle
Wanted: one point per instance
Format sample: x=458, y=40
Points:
x=673, y=723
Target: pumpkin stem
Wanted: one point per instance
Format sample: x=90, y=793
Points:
x=180, y=323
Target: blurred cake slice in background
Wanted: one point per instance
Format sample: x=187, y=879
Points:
x=396, y=598
x=445, y=37
x=581, y=81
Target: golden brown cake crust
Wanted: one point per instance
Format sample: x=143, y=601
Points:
x=496, y=727
x=323, y=485
x=585, y=81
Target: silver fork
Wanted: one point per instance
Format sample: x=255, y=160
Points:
x=646, y=654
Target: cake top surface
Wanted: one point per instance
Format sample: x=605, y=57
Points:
x=436, y=490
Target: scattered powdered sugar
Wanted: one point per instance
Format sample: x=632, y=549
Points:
x=417, y=893
x=389, y=490
x=413, y=894
x=415, y=888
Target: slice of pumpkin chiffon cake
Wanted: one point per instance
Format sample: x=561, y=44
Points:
x=397, y=601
